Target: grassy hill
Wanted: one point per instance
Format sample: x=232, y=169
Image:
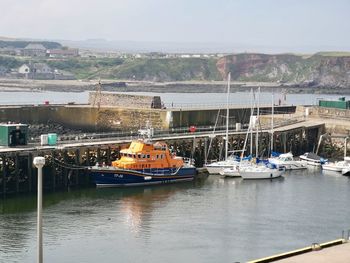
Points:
x=317, y=70
x=172, y=69
x=326, y=69
x=23, y=44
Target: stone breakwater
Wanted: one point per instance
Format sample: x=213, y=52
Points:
x=124, y=100
x=163, y=87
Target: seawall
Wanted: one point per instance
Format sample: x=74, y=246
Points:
x=112, y=118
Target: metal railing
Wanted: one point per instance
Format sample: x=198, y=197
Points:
x=184, y=131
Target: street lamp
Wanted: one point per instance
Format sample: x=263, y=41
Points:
x=39, y=162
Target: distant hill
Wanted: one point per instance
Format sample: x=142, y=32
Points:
x=167, y=69
x=23, y=44
x=324, y=70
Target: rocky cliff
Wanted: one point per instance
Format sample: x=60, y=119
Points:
x=314, y=71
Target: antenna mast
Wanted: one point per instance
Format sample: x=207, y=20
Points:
x=98, y=96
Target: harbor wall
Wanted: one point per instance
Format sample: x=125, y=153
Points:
x=208, y=117
x=124, y=100
x=85, y=117
x=337, y=121
x=89, y=118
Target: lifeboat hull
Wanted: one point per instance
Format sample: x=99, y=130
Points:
x=114, y=177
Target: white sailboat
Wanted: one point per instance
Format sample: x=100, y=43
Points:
x=230, y=161
x=285, y=160
x=260, y=171
x=234, y=169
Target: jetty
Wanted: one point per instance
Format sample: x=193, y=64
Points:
x=336, y=251
x=111, y=121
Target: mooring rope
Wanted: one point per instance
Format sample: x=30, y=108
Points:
x=69, y=166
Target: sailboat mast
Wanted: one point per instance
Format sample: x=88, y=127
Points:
x=272, y=115
x=257, y=126
x=251, y=122
x=227, y=113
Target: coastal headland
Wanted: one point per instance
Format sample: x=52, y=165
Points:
x=18, y=85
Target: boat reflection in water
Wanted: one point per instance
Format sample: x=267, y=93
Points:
x=138, y=208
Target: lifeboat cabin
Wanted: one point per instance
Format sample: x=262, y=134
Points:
x=143, y=155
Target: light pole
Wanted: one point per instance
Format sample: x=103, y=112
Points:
x=39, y=162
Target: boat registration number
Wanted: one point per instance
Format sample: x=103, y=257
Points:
x=118, y=176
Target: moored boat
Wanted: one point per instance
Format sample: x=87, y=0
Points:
x=217, y=167
x=286, y=160
x=261, y=172
x=337, y=166
x=143, y=163
x=232, y=171
x=312, y=159
x=345, y=171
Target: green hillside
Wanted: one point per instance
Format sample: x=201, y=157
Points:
x=174, y=69
x=23, y=44
x=322, y=69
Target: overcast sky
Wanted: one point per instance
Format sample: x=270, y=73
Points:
x=284, y=23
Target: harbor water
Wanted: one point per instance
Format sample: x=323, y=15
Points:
x=212, y=219
x=179, y=100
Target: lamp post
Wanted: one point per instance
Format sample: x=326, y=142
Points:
x=39, y=162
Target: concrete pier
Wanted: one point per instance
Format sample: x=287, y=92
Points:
x=67, y=162
x=336, y=251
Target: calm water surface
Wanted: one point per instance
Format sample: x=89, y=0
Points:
x=211, y=220
x=170, y=99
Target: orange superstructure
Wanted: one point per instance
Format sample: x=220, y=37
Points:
x=147, y=155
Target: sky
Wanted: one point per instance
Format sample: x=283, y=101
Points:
x=280, y=24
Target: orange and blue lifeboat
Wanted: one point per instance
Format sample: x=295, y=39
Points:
x=143, y=163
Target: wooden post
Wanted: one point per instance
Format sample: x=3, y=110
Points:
x=88, y=157
x=98, y=155
x=30, y=171
x=284, y=142
x=4, y=174
x=300, y=150
x=205, y=150
x=65, y=172
x=108, y=153
x=17, y=172
x=53, y=170
x=77, y=162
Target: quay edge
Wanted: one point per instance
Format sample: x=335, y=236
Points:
x=312, y=253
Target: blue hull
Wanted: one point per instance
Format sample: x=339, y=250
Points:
x=120, y=177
